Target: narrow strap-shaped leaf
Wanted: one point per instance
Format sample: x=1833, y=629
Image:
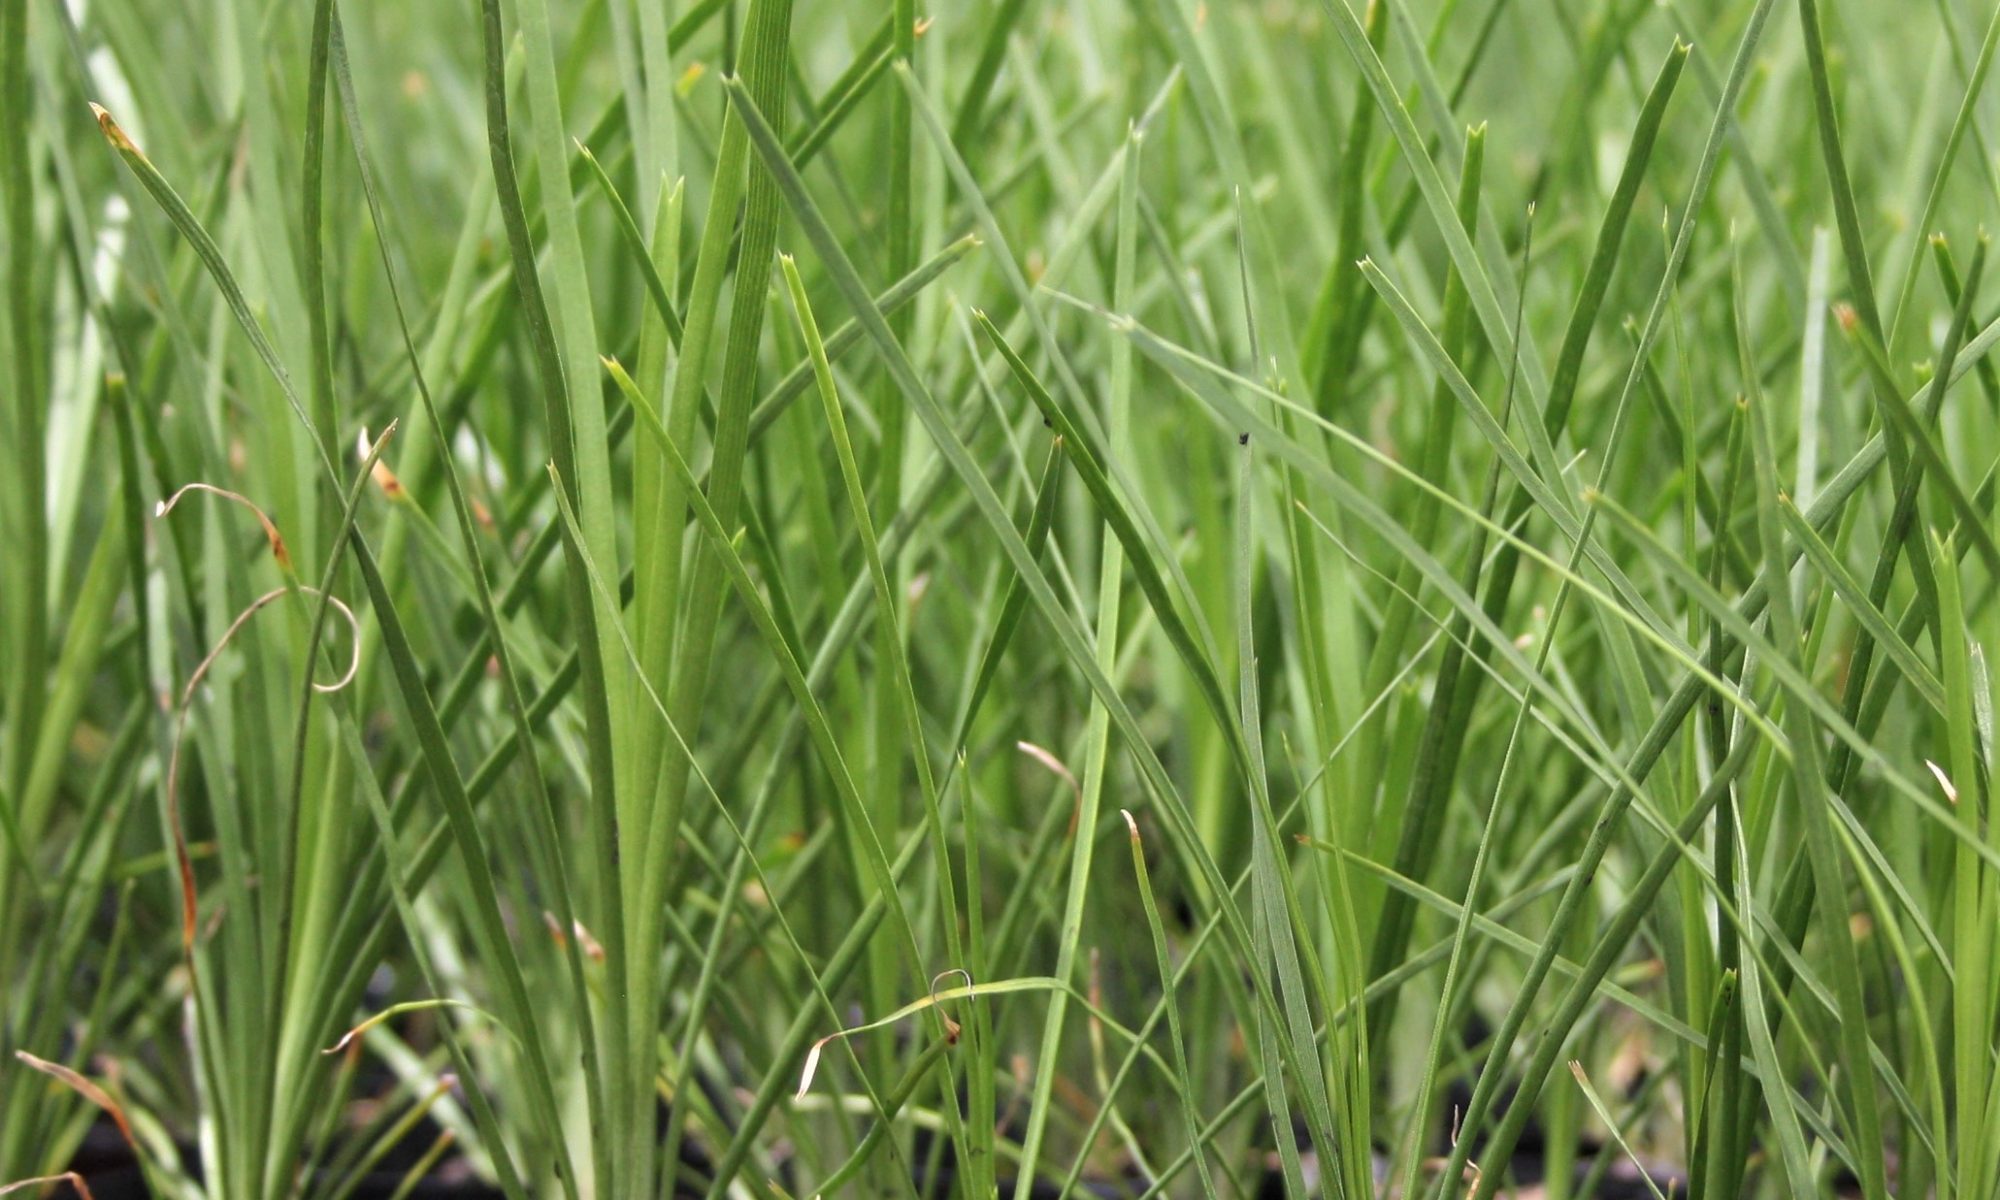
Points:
x=1857, y=1093
x=545, y=810
x=442, y=770
x=930, y=413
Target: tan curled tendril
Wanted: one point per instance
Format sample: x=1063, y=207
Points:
x=278, y=550
x=183, y=861
x=70, y=1177
x=934, y=999
x=187, y=702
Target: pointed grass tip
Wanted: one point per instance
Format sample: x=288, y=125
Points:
x=370, y=452
x=111, y=130
x=1131, y=823
x=1944, y=781
x=82, y=1086
x=1059, y=768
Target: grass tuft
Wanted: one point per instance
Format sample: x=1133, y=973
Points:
x=1215, y=440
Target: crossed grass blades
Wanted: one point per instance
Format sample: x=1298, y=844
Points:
x=590, y=593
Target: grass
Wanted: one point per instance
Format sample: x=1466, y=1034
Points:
x=828, y=474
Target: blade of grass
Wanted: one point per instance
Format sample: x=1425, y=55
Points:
x=1076, y=650
x=1859, y=1102
x=562, y=433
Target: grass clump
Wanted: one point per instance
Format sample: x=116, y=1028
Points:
x=1047, y=597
